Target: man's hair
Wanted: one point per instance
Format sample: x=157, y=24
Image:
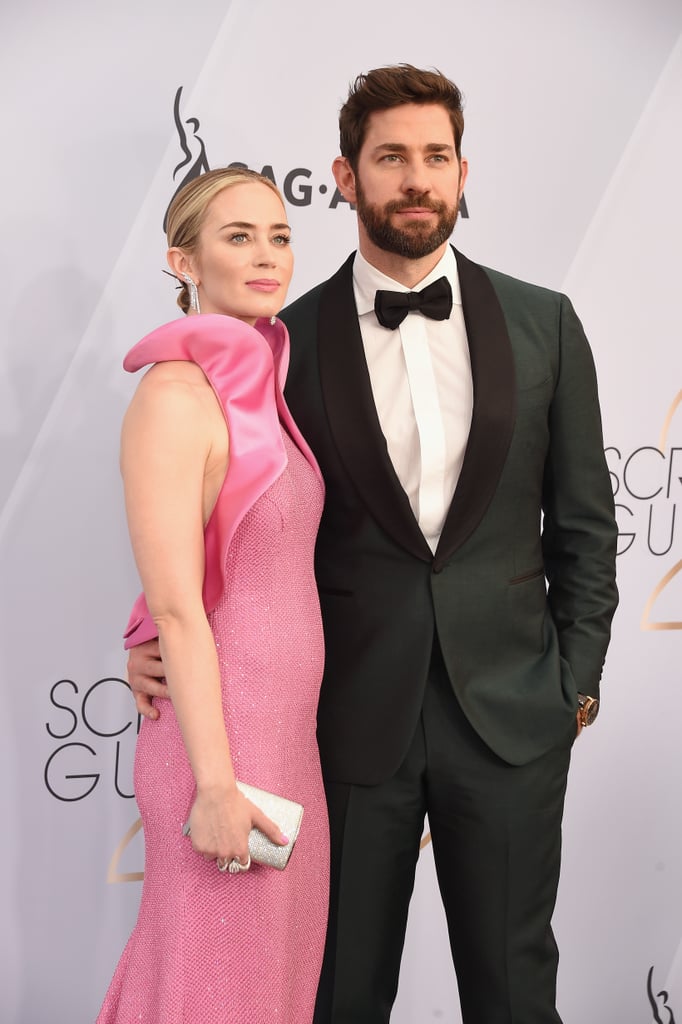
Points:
x=393, y=86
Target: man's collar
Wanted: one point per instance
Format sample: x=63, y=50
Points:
x=367, y=280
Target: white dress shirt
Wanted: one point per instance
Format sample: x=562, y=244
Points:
x=423, y=391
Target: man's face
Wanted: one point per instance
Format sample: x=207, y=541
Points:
x=408, y=181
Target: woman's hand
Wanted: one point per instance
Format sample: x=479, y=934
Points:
x=220, y=822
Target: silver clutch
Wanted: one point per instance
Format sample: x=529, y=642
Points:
x=287, y=814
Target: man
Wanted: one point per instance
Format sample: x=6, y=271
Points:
x=465, y=564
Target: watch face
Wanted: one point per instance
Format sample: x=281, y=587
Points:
x=589, y=709
x=592, y=712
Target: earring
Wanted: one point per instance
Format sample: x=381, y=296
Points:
x=273, y=321
x=193, y=294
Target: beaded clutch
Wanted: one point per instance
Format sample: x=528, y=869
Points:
x=287, y=814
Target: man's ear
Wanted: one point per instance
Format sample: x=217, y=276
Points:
x=463, y=171
x=344, y=176
x=180, y=263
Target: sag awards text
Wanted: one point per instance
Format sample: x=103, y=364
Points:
x=647, y=485
x=94, y=728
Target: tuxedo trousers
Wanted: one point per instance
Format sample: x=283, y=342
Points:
x=496, y=833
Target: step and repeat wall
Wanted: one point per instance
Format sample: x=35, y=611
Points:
x=573, y=139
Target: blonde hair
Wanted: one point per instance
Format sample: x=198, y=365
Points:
x=188, y=208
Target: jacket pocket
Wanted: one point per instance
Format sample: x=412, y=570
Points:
x=525, y=577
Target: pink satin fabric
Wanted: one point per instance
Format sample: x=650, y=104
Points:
x=245, y=387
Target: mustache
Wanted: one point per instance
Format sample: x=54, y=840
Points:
x=424, y=201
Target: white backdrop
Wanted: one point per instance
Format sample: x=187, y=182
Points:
x=573, y=138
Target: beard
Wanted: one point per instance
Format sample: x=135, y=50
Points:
x=414, y=240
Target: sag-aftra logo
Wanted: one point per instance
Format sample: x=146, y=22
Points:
x=297, y=184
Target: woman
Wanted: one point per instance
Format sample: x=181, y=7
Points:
x=223, y=499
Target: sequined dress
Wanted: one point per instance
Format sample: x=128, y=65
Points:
x=212, y=948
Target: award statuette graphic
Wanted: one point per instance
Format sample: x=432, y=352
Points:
x=666, y=445
x=661, y=1012
x=193, y=148
x=114, y=873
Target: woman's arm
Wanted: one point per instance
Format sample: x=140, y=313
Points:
x=173, y=460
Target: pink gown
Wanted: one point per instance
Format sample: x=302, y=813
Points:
x=213, y=948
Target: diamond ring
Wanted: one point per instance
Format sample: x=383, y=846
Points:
x=235, y=865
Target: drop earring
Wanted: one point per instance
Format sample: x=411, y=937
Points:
x=193, y=294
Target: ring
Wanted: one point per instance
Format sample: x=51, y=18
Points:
x=235, y=865
x=222, y=863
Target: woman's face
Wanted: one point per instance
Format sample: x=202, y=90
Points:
x=243, y=263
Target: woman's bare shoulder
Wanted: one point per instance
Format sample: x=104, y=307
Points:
x=175, y=391
x=180, y=371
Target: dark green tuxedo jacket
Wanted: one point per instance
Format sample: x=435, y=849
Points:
x=521, y=591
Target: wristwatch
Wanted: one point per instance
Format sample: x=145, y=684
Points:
x=588, y=709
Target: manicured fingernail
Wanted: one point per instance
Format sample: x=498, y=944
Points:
x=285, y=839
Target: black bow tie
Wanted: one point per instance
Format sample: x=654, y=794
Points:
x=434, y=301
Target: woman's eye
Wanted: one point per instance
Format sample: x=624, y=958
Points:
x=282, y=239
x=238, y=237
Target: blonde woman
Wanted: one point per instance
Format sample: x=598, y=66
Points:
x=223, y=499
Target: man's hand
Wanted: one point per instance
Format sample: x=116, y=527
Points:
x=145, y=675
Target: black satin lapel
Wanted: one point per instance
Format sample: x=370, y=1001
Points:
x=352, y=416
x=494, y=413
x=295, y=434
